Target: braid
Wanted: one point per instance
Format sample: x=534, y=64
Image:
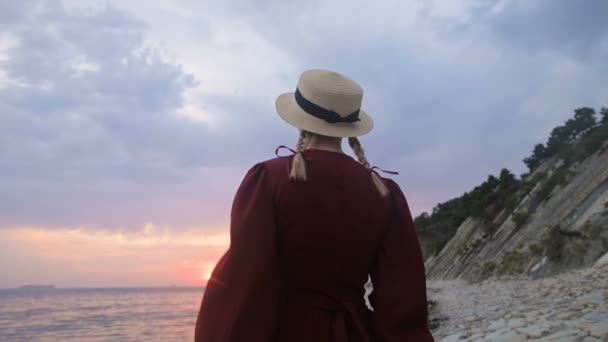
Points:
x=298, y=166
x=360, y=153
x=302, y=141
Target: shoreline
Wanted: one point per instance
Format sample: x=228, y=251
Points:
x=571, y=306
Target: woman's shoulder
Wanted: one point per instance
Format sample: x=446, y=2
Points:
x=391, y=183
x=269, y=170
x=274, y=165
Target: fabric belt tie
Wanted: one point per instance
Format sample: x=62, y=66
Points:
x=347, y=314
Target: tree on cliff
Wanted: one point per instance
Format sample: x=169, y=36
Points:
x=604, y=113
x=559, y=138
x=423, y=220
x=563, y=136
x=538, y=156
x=583, y=121
x=507, y=179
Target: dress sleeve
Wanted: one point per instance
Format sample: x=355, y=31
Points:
x=243, y=296
x=398, y=277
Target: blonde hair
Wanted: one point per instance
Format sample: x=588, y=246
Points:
x=298, y=166
x=360, y=153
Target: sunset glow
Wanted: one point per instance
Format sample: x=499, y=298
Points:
x=75, y=256
x=208, y=270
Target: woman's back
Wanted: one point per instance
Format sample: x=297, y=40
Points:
x=327, y=245
x=328, y=240
x=308, y=230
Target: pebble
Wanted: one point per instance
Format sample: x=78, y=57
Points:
x=591, y=339
x=510, y=336
x=561, y=339
x=452, y=338
x=533, y=330
x=598, y=329
x=571, y=306
x=497, y=324
x=516, y=323
x=597, y=316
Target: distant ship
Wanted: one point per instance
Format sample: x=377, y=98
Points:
x=37, y=287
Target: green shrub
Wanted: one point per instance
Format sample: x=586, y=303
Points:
x=513, y=263
x=594, y=140
x=536, y=249
x=440, y=243
x=526, y=187
x=539, y=177
x=587, y=225
x=558, y=177
x=476, y=244
x=488, y=268
x=554, y=244
x=521, y=218
x=511, y=202
x=491, y=228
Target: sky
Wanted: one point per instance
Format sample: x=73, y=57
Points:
x=127, y=126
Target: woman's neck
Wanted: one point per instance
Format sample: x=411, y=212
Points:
x=318, y=142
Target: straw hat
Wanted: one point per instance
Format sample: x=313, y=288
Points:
x=327, y=103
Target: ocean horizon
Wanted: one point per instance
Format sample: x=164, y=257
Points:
x=91, y=314
x=51, y=287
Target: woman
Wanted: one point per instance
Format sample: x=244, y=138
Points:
x=306, y=232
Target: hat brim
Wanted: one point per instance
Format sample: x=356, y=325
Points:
x=290, y=112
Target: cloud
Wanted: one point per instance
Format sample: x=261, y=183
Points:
x=89, y=116
x=86, y=81
x=115, y=114
x=576, y=30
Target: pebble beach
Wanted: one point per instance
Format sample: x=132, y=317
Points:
x=568, y=307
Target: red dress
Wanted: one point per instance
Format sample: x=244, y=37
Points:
x=301, y=252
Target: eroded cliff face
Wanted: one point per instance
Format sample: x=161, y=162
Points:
x=560, y=223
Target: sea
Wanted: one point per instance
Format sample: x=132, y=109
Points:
x=99, y=314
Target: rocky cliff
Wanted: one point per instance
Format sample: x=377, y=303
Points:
x=558, y=220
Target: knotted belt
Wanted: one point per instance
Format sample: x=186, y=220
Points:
x=347, y=312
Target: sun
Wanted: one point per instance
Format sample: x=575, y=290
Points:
x=206, y=275
x=207, y=270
